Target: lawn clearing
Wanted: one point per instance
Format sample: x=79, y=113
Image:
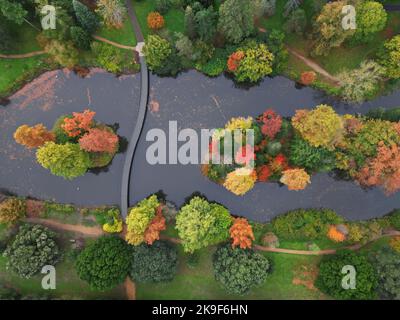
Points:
x=125, y=35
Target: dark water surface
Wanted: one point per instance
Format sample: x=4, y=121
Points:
x=194, y=101
x=115, y=100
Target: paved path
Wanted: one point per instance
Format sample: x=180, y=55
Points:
x=144, y=96
x=22, y=55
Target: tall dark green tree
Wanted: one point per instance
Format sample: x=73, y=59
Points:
x=206, y=24
x=190, y=23
x=86, y=18
x=236, y=20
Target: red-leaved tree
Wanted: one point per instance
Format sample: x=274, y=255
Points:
x=99, y=140
x=156, y=225
x=234, y=60
x=271, y=123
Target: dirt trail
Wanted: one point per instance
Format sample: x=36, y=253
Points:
x=22, y=55
x=115, y=44
x=313, y=65
x=130, y=289
x=88, y=231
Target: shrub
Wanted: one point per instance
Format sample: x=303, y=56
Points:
x=113, y=59
x=33, y=137
x=304, y=224
x=256, y=64
x=395, y=219
x=271, y=123
x=155, y=21
x=239, y=123
x=390, y=57
x=200, y=223
x=296, y=22
x=156, y=225
x=112, y=12
x=308, y=77
x=80, y=38
x=64, y=53
x=60, y=134
x=12, y=210
x=115, y=223
x=104, y=263
x=64, y=160
x=395, y=243
x=33, y=247
x=155, y=263
x=335, y=235
x=239, y=270
x=330, y=276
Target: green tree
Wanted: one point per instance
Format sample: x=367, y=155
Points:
x=328, y=29
x=275, y=41
x=359, y=84
x=200, y=223
x=104, y=263
x=330, y=276
x=239, y=270
x=13, y=11
x=157, y=50
x=190, y=23
x=206, y=20
x=86, y=18
x=112, y=12
x=80, y=38
x=64, y=160
x=371, y=18
x=154, y=263
x=296, y=22
x=387, y=265
x=390, y=57
x=5, y=38
x=33, y=247
x=236, y=20
x=304, y=155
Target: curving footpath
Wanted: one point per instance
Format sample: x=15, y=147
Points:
x=144, y=95
x=22, y=55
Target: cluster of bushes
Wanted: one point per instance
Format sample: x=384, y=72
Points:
x=215, y=39
x=75, y=144
x=317, y=140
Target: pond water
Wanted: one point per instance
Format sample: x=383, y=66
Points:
x=115, y=101
x=194, y=101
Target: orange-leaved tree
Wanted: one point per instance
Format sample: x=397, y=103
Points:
x=234, y=60
x=99, y=140
x=308, y=77
x=335, y=235
x=155, y=20
x=79, y=123
x=295, y=179
x=33, y=137
x=241, y=233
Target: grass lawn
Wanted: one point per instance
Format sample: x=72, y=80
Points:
x=199, y=283
x=24, y=39
x=125, y=35
x=173, y=18
x=68, y=284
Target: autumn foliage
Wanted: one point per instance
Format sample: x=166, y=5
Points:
x=383, y=170
x=308, y=77
x=295, y=179
x=335, y=235
x=241, y=233
x=33, y=137
x=155, y=20
x=271, y=123
x=234, y=60
x=263, y=173
x=99, y=140
x=80, y=123
x=156, y=225
x=245, y=155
